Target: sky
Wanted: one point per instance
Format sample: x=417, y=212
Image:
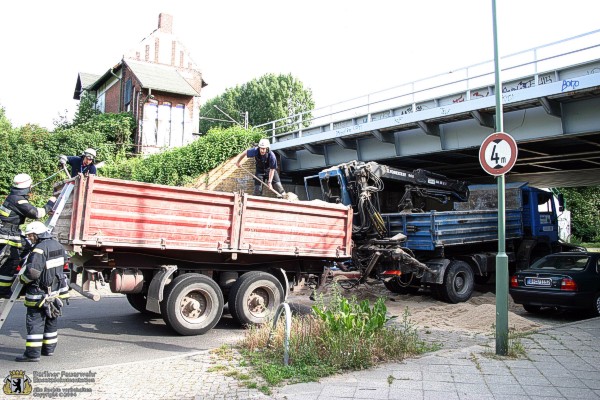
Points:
x=340, y=49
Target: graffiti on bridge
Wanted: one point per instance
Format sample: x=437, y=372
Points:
x=524, y=84
x=570, y=84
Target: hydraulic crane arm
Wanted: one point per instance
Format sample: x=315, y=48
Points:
x=358, y=184
x=425, y=183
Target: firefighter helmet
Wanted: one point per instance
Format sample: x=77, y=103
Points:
x=91, y=153
x=22, y=181
x=36, y=227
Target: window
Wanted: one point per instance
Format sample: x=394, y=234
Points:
x=128, y=91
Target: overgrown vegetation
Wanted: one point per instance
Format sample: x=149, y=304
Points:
x=35, y=150
x=584, y=204
x=342, y=335
x=268, y=98
x=181, y=165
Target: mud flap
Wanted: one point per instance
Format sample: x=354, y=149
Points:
x=438, y=267
x=155, y=291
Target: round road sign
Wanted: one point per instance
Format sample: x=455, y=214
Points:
x=498, y=153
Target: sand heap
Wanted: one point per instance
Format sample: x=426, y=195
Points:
x=469, y=317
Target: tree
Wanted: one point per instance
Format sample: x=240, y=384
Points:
x=268, y=98
x=5, y=125
x=584, y=204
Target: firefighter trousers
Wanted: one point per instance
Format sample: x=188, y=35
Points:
x=42, y=333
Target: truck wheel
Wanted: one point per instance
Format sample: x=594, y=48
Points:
x=192, y=304
x=254, y=297
x=458, y=283
x=397, y=285
x=138, y=301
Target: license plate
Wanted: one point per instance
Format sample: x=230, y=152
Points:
x=538, y=282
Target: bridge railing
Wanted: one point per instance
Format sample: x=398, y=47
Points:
x=537, y=65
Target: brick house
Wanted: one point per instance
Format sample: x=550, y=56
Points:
x=158, y=83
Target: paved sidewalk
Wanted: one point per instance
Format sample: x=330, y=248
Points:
x=563, y=363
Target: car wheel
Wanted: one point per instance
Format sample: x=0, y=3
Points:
x=532, y=309
x=596, y=308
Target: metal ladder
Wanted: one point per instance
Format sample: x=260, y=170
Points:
x=17, y=285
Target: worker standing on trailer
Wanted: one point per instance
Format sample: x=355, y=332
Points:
x=45, y=287
x=266, y=167
x=13, y=212
x=83, y=164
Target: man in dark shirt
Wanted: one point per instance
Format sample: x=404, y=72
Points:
x=83, y=164
x=266, y=167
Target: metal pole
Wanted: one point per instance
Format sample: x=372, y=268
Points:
x=501, y=258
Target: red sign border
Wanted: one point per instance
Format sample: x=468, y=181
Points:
x=511, y=162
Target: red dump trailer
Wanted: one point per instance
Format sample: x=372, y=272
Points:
x=182, y=253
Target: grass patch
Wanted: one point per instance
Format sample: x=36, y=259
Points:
x=516, y=349
x=341, y=335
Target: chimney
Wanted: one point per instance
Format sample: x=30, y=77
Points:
x=165, y=23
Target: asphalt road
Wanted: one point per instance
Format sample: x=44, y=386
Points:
x=111, y=332
x=108, y=332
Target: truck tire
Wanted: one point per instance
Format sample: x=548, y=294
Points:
x=458, y=283
x=398, y=286
x=254, y=297
x=192, y=304
x=138, y=301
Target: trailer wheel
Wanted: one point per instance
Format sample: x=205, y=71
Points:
x=138, y=301
x=192, y=304
x=254, y=297
x=458, y=283
x=399, y=286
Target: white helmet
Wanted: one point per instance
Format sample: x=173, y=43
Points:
x=264, y=143
x=22, y=181
x=90, y=153
x=36, y=227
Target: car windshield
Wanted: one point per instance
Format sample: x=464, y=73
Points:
x=562, y=262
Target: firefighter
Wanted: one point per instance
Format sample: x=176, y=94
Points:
x=266, y=167
x=46, y=287
x=13, y=212
x=83, y=164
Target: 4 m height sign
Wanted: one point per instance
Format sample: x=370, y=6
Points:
x=498, y=153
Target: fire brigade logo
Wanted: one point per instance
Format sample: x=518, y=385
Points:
x=17, y=383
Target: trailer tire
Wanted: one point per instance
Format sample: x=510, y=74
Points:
x=192, y=304
x=138, y=301
x=254, y=297
x=458, y=283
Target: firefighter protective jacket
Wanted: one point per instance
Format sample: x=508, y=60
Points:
x=16, y=208
x=44, y=276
